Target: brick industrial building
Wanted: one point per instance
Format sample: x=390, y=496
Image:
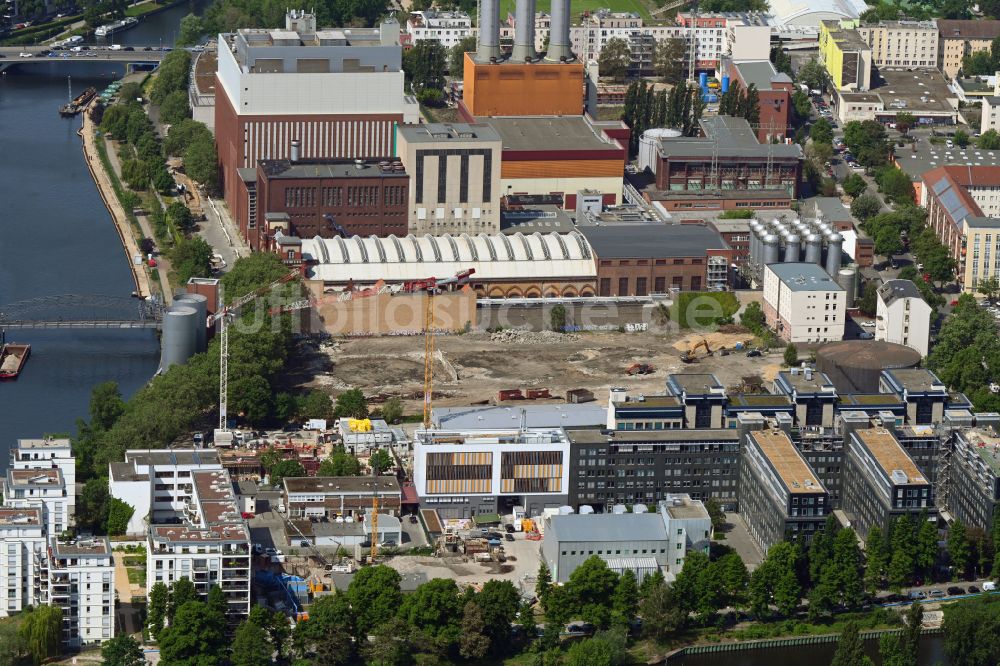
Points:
x=775, y=92
x=339, y=92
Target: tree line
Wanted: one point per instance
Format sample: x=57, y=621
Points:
x=966, y=356
x=646, y=108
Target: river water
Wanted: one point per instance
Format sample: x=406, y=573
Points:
x=931, y=654
x=56, y=237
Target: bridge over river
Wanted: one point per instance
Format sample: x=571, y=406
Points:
x=11, y=56
x=75, y=311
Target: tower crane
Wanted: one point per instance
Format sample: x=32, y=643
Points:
x=222, y=319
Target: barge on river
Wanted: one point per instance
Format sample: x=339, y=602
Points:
x=78, y=104
x=13, y=356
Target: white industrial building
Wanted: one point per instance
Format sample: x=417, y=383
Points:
x=903, y=316
x=210, y=546
x=22, y=545
x=81, y=583
x=156, y=483
x=447, y=27
x=500, y=257
x=503, y=417
x=806, y=13
x=642, y=542
x=468, y=473
x=365, y=435
x=802, y=303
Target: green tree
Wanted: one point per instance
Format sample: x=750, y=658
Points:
x=604, y=649
x=661, y=615
x=286, y=469
x=317, y=405
x=40, y=632
x=959, y=549
x=250, y=646
x=473, y=643
x=895, y=184
x=715, y=511
x=876, y=558
x=375, y=597
x=978, y=63
x=615, y=59
x=381, y=461
x=424, y=65
x=156, y=608
x=106, y=405
x=172, y=74
x=10, y=642
x=625, y=602
x=183, y=134
x=275, y=625
x=175, y=107
x=821, y=131
x=988, y=287
x=200, y=161
x=972, y=634
x=961, y=138
x=543, y=583
x=903, y=557
x=782, y=61
x=392, y=410
x=791, y=355
x=353, y=404
x=500, y=602
x=456, y=57
x=813, y=74
x=868, y=303
x=557, y=318
x=195, y=637
x=331, y=622
x=990, y=140
x=753, y=317
x=435, y=608
x=179, y=215
x=904, y=121
x=340, y=463
x=590, y=588
x=118, y=516
x=850, y=648
x=191, y=30
x=191, y=257
x=927, y=546
x=854, y=185
x=182, y=591
x=865, y=206
x=668, y=60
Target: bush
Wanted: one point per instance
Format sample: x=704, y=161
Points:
x=175, y=107
x=865, y=207
x=855, y=185
x=736, y=215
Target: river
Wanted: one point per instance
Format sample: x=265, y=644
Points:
x=56, y=237
x=931, y=654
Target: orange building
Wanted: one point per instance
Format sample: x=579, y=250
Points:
x=505, y=88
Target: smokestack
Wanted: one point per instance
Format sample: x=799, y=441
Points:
x=489, y=31
x=524, y=31
x=295, y=150
x=559, y=44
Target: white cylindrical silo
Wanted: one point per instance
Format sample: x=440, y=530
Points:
x=178, y=340
x=200, y=304
x=524, y=31
x=772, y=249
x=814, y=249
x=560, y=47
x=489, y=31
x=793, y=248
x=649, y=146
x=756, y=229
x=834, y=249
x=847, y=278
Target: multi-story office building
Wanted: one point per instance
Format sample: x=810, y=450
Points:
x=447, y=27
x=780, y=495
x=903, y=316
x=802, y=303
x=22, y=559
x=339, y=92
x=641, y=542
x=643, y=467
x=902, y=43
x=813, y=393
x=703, y=397
x=455, y=172
x=81, y=583
x=972, y=487
x=846, y=56
x=925, y=395
x=463, y=474
x=959, y=38
x=156, y=483
x=43, y=489
x=209, y=546
x=333, y=497
x=881, y=482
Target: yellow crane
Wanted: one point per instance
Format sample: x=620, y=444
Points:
x=374, y=516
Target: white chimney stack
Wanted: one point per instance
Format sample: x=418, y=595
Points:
x=560, y=47
x=524, y=31
x=295, y=150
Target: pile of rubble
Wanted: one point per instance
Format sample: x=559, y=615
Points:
x=522, y=336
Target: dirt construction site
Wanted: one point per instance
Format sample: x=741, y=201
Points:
x=475, y=367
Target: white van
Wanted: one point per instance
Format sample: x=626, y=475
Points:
x=989, y=586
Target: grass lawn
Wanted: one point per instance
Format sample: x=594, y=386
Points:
x=579, y=6
x=136, y=576
x=142, y=8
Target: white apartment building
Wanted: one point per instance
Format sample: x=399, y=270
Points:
x=211, y=545
x=22, y=559
x=46, y=453
x=449, y=28
x=463, y=474
x=81, y=583
x=902, y=316
x=156, y=483
x=43, y=489
x=990, y=118
x=802, y=303
x=902, y=43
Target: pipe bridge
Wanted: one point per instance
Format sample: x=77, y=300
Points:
x=76, y=311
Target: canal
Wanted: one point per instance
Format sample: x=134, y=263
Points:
x=931, y=654
x=56, y=237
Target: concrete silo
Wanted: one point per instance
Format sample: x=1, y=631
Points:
x=200, y=304
x=772, y=249
x=814, y=249
x=834, y=252
x=179, y=337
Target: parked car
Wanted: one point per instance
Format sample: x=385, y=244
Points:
x=753, y=353
x=866, y=335
x=247, y=515
x=579, y=629
x=304, y=543
x=917, y=594
x=955, y=590
x=508, y=536
x=509, y=528
x=973, y=589
x=413, y=519
x=937, y=594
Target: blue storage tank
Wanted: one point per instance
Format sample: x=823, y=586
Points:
x=725, y=84
x=703, y=80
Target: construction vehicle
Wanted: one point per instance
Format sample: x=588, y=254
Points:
x=640, y=369
x=691, y=355
x=222, y=320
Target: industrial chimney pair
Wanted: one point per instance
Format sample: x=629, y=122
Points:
x=524, y=32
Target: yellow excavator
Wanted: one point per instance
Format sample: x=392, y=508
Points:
x=691, y=355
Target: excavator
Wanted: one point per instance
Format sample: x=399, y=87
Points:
x=691, y=355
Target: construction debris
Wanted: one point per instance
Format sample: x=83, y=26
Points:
x=522, y=337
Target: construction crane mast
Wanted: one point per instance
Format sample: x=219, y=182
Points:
x=374, y=515
x=221, y=318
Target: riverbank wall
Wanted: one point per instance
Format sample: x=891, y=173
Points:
x=118, y=215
